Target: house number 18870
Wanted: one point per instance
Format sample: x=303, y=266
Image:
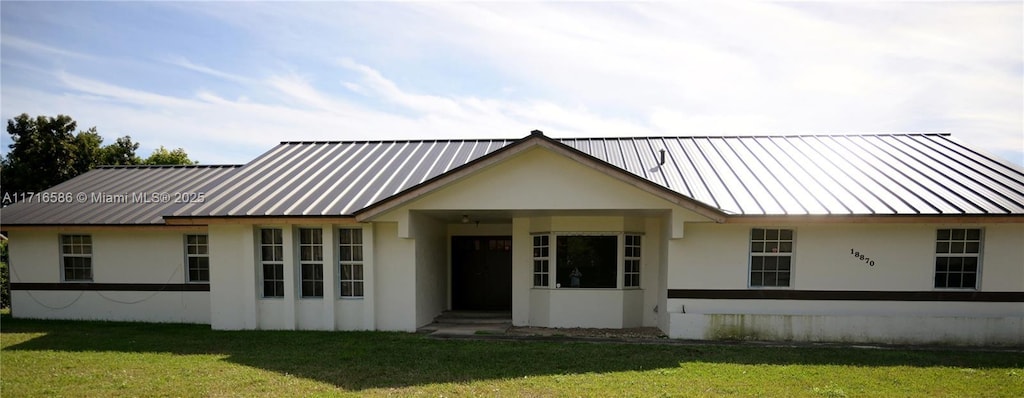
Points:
x=860, y=256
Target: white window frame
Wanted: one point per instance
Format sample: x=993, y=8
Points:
x=351, y=262
x=78, y=250
x=198, y=254
x=636, y=257
x=279, y=264
x=751, y=253
x=542, y=260
x=315, y=259
x=949, y=253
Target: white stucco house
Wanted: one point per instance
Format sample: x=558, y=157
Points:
x=893, y=238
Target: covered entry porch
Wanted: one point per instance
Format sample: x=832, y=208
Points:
x=546, y=268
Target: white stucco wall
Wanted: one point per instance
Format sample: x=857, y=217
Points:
x=150, y=256
x=236, y=300
x=431, y=269
x=395, y=275
x=715, y=256
x=233, y=277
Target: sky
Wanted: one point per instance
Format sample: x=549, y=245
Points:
x=227, y=81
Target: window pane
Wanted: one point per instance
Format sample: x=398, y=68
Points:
x=345, y=253
x=970, y=264
x=974, y=234
x=357, y=253
x=941, y=264
x=757, y=263
x=959, y=234
x=757, y=234
x=942, y=247
x=970, y=280
x=943, y=234
x=786, y=234
x=953, y=279
x=267, y=253
x=956, y=247
x=756, y=279
x=972, y=247
x=587, y=261
x=771, y=234
x=357, y=272
x=783, y=279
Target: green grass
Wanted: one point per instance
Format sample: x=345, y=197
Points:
x=58, y=358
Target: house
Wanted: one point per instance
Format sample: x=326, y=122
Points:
x=894, y=238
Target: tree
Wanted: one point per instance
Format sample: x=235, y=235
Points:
x=46, y=151
x=121, y=152
x=43, y=153
x=161, y=156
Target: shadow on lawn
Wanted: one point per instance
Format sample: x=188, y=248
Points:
x=361, y=360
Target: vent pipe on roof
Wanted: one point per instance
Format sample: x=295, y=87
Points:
x=662, y=162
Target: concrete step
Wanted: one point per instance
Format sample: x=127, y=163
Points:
x=474, y=317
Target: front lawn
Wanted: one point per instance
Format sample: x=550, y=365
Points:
x=47, y=358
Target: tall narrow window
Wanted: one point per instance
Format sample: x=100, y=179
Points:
x=631, y=265
x=350, y=252
x=272, y=262
x=957, y=255
x=311, y=260
x=197, y=257
x=771, y=254
x=541, y=260
x=76, y=253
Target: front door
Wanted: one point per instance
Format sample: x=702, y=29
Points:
x=482, y=273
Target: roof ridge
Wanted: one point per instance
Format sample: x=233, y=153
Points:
x=167, y=166
x=767, y=135
x=395, y=141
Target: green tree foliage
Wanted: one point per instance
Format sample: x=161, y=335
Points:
x=120, y=153
x=46, y=151
x=161, y=156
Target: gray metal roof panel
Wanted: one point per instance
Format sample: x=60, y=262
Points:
x=120, y=180
x=877, y=174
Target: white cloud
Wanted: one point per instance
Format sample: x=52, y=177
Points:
x=580, y=70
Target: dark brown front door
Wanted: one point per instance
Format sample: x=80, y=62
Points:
x=482, y=273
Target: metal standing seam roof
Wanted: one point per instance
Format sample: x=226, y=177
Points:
x=772, y=175
x=133, y=187
x=865, y=174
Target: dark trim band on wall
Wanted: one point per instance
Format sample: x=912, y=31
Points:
x=116, y=287
x=851, y=295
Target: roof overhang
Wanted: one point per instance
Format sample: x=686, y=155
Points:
x=876, y=219
x=180, y=220
x=536, y=140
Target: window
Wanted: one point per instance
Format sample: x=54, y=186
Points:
x=771, y=253
x=541, y=260
x=76, y=257
x=350, y=251
x=957, y=255
x=586, y=261
x=272, y=262
x=631, y=262
x=197, y=258
x=311, y=260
